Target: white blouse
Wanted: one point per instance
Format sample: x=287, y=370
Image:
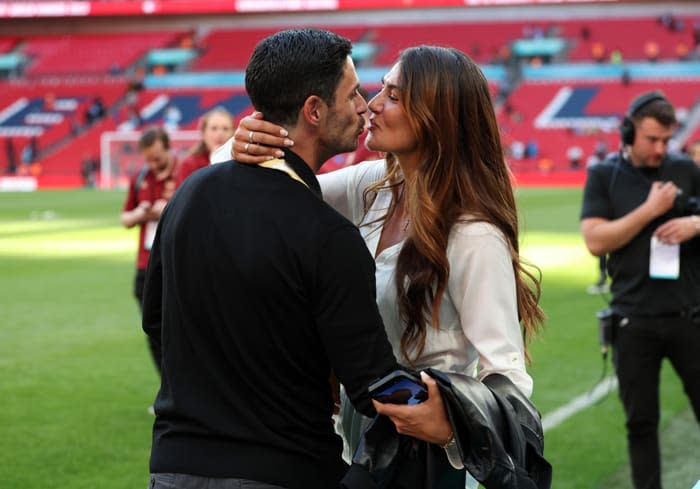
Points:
x=479, y=331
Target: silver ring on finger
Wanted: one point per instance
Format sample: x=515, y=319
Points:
x=245, y=148
x=250, y=137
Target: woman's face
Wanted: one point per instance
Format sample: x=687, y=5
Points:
x=217, y=130
x=389, y=129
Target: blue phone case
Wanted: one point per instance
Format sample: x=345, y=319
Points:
x=399, y=388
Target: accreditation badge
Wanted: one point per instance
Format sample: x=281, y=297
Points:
x=664, y=260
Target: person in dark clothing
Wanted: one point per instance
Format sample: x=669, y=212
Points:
x=636, y=209
x=88, y=170
x=259, y=289
x=11, y=157
x=30, y=151
x=95, y=111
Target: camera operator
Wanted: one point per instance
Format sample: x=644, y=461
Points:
x=638, y=207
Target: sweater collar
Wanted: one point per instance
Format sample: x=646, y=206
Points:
x=303, y=170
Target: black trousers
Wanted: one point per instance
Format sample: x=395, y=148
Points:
x=186, y=481
x=154, y=344
x=639, y=347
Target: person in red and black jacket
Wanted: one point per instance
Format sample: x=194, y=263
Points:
x=149, y=192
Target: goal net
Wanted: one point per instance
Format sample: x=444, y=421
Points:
x=120, y=157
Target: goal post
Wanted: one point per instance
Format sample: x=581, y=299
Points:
x=120, y=156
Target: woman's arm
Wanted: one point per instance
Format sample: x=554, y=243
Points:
x=482, y=286
x=257, y=140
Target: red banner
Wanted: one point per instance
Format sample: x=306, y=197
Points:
x=187, y=7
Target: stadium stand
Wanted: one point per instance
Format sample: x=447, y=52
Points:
x=91, y=53
x=7, y=44
x=217, y=52
x=483, y=42
x=52, y=112
x=629, y=36
x=191, y=104
x=66, y=160
x=556, y=100
x=560, y=115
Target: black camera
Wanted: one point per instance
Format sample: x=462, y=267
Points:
x=607, y=321
x=687, y=204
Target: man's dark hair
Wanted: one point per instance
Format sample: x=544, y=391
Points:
x=153, y=134
x=659, y=109
x=288, y=67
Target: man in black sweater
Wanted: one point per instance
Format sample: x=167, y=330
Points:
x=258, y=289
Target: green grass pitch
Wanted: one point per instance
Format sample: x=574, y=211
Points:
x=76, y=377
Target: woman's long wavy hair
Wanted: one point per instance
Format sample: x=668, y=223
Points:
x=462, y=172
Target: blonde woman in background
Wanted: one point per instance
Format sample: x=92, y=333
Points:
x=216, y=126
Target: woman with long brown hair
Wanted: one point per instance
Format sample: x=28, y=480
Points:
x=439, y=216
x=215, y=126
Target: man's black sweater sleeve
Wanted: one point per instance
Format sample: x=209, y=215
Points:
x=152, y=317
x=347, y=316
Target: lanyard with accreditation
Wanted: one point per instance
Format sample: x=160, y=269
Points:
x=281, y=165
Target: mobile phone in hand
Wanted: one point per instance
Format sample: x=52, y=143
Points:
x=399, y=387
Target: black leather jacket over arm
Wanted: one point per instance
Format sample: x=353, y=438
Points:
x=497, y=429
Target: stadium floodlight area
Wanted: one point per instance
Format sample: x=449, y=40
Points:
x=120, y=157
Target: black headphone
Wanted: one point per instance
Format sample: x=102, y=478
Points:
x=627, y=125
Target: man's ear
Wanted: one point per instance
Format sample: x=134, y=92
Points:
x=314, y=110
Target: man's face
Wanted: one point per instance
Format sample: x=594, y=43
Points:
x=345, y=120
x=650, y=143
x=158, y=159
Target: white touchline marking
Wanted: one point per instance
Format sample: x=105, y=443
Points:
x=561, y=414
